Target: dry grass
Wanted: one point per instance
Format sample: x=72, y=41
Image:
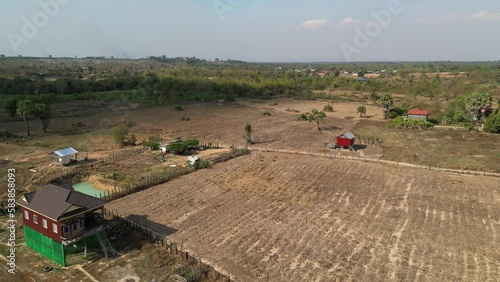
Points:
x=437, y=147
x=275, y=217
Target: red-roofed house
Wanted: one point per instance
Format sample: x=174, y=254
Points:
x=419, y=114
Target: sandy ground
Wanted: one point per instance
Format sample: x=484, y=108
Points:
x=277, y=217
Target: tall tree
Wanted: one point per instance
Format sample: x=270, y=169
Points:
x=10, y=107
x=387, y=101
x=476, y=105
x=317, y=116
x=42, y=112
x=24, y=110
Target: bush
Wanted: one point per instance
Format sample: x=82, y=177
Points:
x=493, y=123
x=120, y=134
x=201, y=164
x=153, y=142
x=303, y=117
x=177, y=108
x=178, y=148
x=266, y=113
x=328, y=108
x=192, y=143
x=402, y=123
x=185, y=119
x=395, y=112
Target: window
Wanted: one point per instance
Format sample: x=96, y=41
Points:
x=35, y=219
x=54, y=227
x=66, y=229
x=75, y=227
x=44, y=222
x=26, y=215
x=81, y=224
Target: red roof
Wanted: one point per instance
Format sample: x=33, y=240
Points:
x=419, y=112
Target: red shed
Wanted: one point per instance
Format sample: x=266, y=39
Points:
x=346, y=140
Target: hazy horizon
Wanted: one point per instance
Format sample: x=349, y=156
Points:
x=254, y=31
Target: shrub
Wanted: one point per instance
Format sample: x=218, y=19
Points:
x=493, y=123
x=192, y=143
x=120, y=133
x=303, y=117
x=153, y=142
x=178, y=148
x=185, y=119
x=328, y=108
x=292, y=110
x=402, y=123
x=132, y=140
x=177, y=108
x=266, y=113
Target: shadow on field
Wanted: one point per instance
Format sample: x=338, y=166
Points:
x=359, y=147
x=330, y=128
x=151, y=225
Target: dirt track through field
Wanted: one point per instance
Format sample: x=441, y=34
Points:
x=280, y=217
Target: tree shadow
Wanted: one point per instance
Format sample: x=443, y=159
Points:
x=367, y=117
x=359, y=147
x=330, y=128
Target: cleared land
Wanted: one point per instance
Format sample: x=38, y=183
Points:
x=279, y=217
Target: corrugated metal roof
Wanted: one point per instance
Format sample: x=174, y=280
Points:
x=53, y=201
x=348, y=135
x=65, y=152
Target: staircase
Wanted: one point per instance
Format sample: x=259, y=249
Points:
x=107, y=249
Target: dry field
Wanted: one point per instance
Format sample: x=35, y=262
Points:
x=278, y=217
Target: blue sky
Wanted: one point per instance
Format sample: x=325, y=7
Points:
x=254, y=30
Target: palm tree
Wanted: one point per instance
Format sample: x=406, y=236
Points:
x=387, y=101
x=476, y=105
x=25, y=109
x=361, y=111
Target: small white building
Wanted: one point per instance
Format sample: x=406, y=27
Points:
x=192, y=160
x=64, y=155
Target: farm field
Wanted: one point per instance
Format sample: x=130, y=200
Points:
x=279, y=217
x=223, y=124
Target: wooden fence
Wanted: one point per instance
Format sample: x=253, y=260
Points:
x=87, y=166
x=379, y=161
x=173, y=247
x=118, y=192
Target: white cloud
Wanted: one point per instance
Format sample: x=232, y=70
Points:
x=314, y=24
x=348, y=21
x=482, y=16
x=485, y=16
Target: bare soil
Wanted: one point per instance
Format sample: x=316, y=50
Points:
x=278, y=217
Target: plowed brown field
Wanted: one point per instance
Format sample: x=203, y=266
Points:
x=278, y=217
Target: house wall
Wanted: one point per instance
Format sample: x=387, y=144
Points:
x=417, y=117
x=38, y=227
x=65, y=160
x=344, y=142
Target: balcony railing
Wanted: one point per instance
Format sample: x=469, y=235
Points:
x=67, y=240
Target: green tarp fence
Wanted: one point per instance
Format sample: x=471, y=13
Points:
x=44, y=245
